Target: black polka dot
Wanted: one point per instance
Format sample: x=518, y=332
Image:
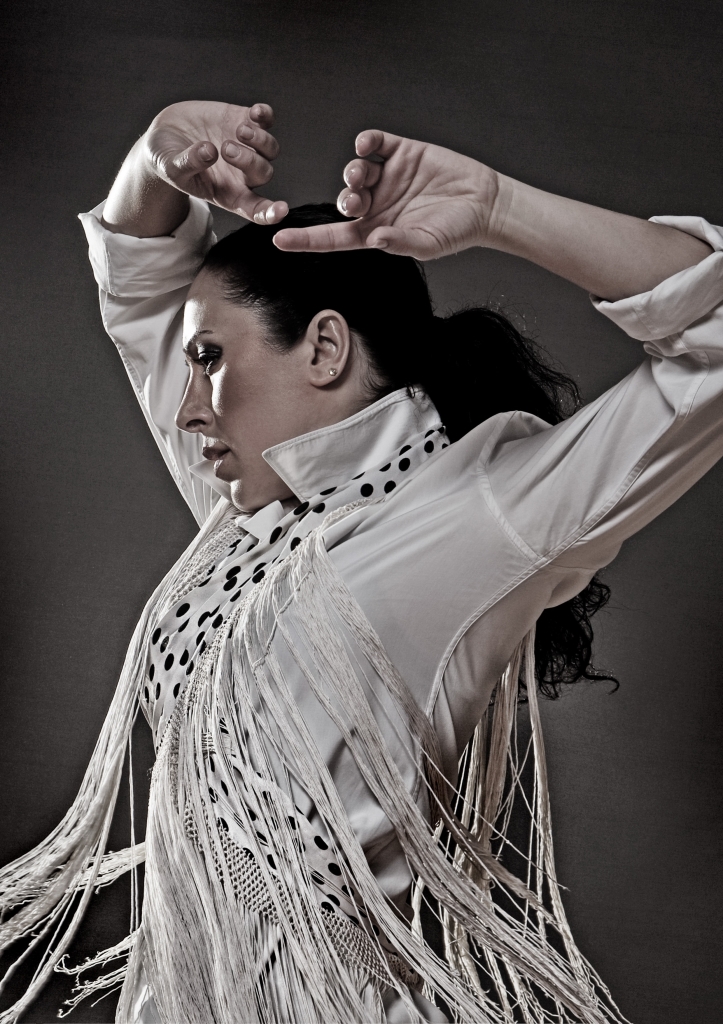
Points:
x=164, y=643
x=252, y=814
x=230, y=584
x=212, y=765
x=333, y=898
x=251, y=546
x=213, y=794
x=376, y=930
x=329, y=490
x=202, y=648
x=366, y=490
x=319, y=879
x=327, y=906
x=429, y=447
x=389, y=486
x=358, y=476
x=275, y=534
x=176, y=688
x=354, y=920
x=319, y=508
x=383, y=469
x=199, y=638
x=292, y=822
x=334, y=868
x=429, y=432
x=262, y=838
x=321, y=843
x=146, y=694
x=183, y=625
x=158, y=690
x=168, y=662
x=300, y=509
x=295, y=542
x=202, y=618
x=406, y=448
x=345, y=890
x=182, y=611
x=404, y=465
x=217, y=621
x=183, y=659
x=223, y=824
x=258, y=576
x=259, y=566
x=270, y=859
x=236, y=596
x=190, y=668
x=233, y=572
x=156, y=636
x=151, y=671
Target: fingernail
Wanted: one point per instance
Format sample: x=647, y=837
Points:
x=205, y=151
x=382, y=243
x=246, y=132
x=232, y=149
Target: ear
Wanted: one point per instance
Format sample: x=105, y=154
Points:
x=328, y=342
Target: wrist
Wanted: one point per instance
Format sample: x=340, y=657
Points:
x=141, y=202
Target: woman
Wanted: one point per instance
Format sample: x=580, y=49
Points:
x=325, y=652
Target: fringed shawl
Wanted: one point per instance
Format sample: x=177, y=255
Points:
x=233, y=929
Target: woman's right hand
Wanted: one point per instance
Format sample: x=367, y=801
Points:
x=219, y=152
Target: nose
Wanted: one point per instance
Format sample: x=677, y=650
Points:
x=194, y=413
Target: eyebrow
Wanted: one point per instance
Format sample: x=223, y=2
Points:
x=192, y=340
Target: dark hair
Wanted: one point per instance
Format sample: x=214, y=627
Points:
x=489, y=367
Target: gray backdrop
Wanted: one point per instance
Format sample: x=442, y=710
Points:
x=616, y=103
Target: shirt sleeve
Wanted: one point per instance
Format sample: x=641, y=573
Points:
x=575, y=491
x=143, y=284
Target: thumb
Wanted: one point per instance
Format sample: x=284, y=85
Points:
x=414, y=242
x=394, y=240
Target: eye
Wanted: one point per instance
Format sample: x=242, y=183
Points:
x=208, y=356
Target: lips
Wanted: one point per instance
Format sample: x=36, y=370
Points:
x=215, y=453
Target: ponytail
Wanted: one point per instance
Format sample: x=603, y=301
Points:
x=472, y=364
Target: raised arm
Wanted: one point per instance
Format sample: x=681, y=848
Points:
x=416, y=199
x=147, y=241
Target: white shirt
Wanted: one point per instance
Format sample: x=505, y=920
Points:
x=456, y=565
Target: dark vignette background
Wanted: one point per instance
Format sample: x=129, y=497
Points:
x=616, y=103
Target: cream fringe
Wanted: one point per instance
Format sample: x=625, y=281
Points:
x=209, y=958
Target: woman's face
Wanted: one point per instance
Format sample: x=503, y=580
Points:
x=244, y=395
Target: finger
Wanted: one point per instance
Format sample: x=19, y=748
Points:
x=198, y=157
x=320, y=238
x=256, y=169
x=362, y=174
x=260, y=210
x=377, y=143
x=354, y=204
x=262, y=114
x=260, y=140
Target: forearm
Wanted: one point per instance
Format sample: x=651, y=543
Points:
x=609, y=254
x=140, y=203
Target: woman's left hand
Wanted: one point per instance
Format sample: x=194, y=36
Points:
x=415, y=199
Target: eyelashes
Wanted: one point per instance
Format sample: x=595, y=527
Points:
x=208, y=357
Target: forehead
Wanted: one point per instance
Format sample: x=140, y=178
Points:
x=208, y=312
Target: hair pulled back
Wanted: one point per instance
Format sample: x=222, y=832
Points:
x=487, y=366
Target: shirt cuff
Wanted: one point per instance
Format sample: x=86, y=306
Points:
x=678, y=301
x=130, y=267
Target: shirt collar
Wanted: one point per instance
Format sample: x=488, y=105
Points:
x=332, y=455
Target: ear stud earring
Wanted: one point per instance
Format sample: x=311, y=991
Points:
x=333, y=372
